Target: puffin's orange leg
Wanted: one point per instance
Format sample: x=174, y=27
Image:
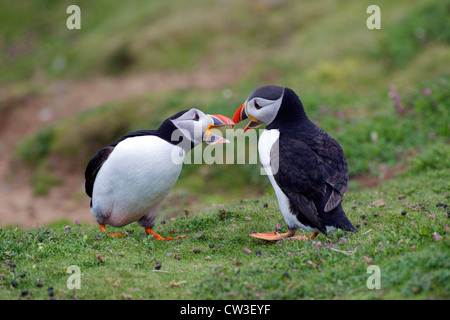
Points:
x=274, y=236
x=158, y=237
x=313, y=235
x=114, y=235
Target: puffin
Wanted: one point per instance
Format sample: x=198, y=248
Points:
x=129, y=179
x=306, y=167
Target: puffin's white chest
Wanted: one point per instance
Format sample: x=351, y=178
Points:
x=266, y=141
x=136, y=177
x=265, y=144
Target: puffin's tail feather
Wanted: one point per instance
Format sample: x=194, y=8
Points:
x=338, y=219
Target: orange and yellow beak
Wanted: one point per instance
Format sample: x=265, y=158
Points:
x=217, y=120
x=241, y=114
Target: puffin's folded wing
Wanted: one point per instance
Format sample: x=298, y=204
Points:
x=94, y=166
x=298, y=168
x=300, y=178
x=310, y=168
x=336, y=172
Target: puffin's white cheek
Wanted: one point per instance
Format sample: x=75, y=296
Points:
x=265, y=114
x=199, y=131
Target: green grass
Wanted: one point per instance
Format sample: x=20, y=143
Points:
x=343, y=73
x=411, y=250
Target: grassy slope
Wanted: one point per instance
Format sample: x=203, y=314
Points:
x=412, y=251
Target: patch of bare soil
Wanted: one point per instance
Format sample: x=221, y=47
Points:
x=386, y=173
x=21, y=116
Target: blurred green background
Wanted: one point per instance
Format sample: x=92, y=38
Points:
x=383, y=94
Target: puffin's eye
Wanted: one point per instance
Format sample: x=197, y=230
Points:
x=196, y=117
x=257, y=106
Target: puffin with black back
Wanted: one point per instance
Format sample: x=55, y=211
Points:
x=306, y=167
x=129, y=179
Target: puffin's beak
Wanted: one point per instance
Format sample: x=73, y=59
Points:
x=217, y=120
x=241, y=114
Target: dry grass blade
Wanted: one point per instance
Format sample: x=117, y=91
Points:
x=348, y=253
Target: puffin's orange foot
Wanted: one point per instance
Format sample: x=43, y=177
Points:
x=268, y=236
x=274, y=236
x=117, y=235
x=158, y=237
x=299, y=237
x=114, y=235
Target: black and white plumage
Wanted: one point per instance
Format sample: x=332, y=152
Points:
x=306, y=167
x=129, y=179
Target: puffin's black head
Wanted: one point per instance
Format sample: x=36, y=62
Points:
x=270, y=105
x=194, y=127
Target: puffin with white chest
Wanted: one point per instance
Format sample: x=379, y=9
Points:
x=305, y=166
x=129, y=179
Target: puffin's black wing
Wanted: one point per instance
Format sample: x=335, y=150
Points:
x=335, y=170
x=312, y=173
x=94, y=166
x=100, y=157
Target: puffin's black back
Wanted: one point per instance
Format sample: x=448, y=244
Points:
x=164, y=132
